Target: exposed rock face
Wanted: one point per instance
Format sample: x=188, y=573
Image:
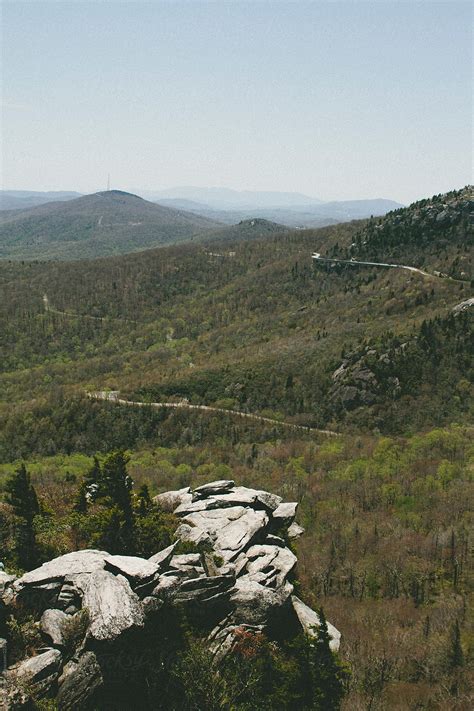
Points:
x=79, y=681
x=464, y=305
x=229, y=530
x=310, y=621
x=54, y=625
x=112, y=605
x=85, y=561
x=363, y=378
x=295, y=530
x=133, y=568
x=36, y=674
x=239, y=578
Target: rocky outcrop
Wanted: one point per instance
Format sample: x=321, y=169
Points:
x=80, y=679
x=310, y=622
x=112, y=605
x=364, y=378
x=463, y=306
x=91, y=606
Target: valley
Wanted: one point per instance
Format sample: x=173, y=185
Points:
x=315, y=364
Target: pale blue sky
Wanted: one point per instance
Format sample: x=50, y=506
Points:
x=335, y=99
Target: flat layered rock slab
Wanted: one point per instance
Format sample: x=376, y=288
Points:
x=295, y=530
x=285, y=513
x=235, y=496
x=36, y=669
x=112, y=605
x=85, y=561
x=214, y=487
x=162, y=558
x=134, y=568
x=172, y=499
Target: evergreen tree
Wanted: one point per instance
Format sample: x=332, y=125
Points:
x=81, y=502
x=92, y=481
x=144, y=502
x=455, y=654
x=327, y=672
x=116, y=487
x=21, y=495
x=116, y=484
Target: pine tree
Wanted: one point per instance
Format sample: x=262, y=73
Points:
x=21, y=495
x=455, y=653
x=327, y=672
x=116, y=487
x=144, y=502
x=81, y=502
x=116, y=484
x=92, y=481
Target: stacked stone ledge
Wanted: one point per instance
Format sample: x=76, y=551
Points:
x=240, y=577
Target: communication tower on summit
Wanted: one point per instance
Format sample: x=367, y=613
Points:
x=108, y=182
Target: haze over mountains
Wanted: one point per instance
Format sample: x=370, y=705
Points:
x=289, y=208
x=302, y=216
x=22, y=199
x=232, y=206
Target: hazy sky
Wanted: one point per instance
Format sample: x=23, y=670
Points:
x=335, y=99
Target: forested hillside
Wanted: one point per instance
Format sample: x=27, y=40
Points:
x=437, y=233
x=111, y=222
x=250, y=323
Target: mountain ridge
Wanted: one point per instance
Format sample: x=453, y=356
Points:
x=110, y=222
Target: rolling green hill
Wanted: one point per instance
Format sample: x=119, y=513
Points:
x=95, y=225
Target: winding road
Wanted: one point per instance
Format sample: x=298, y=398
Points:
x=113, y=397
x=317, y=257
x=71, y=314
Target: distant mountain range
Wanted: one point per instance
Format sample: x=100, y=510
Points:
x=291, y=209
x=232, y=206
x=61, y=225
x=111, y=223
x=105, y=223
x=22, y=199
x=228, y=199
x=318, y=215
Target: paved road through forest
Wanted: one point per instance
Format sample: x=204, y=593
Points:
x=113, y=397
